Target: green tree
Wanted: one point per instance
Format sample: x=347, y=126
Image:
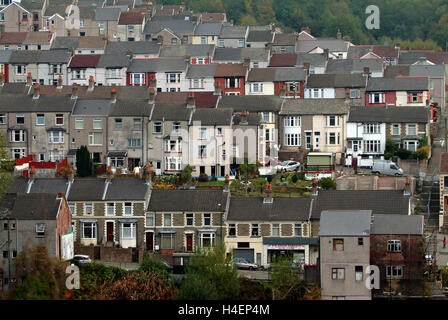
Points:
x=327, y=183
x=210, y=276
x=247, y=169
x=83, y=162
x=153, y=265
x=7, y=165
x=186, y=174
x=286, y=280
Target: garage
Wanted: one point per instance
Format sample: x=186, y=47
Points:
x=247, y=254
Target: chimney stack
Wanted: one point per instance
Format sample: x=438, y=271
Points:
x=160, y=39
x=366, y=71
x=75, y=91
x=70, y=175
x=91, y=83
x=148, y=174
x=187, y=58
x=282, y=91
x=246, y=62
x=306, y=29
x=59, y=82
x=109, y=174
x=314, y=187
x=306, y=66
x=152, y=96
x=268, y=198
x=113, y=94
x=243, y=119
x=326, y=53
x=191, y=100
x=227, y=183
x=339, y=34
x=36, y=91
x=217, y=89
x=32, y=173
x=152, y=81
x=2, y=79
x=29, y=80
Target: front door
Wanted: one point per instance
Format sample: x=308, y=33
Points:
x=189, y=241
x=110, y=231
x=149, y=241
x=213, y=171
x=317, y=139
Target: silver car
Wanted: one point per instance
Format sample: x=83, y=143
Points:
x=287, y=166
x=81, y=259
x=244, y=264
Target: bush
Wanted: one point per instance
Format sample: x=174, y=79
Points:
x=327, y=184
x=269, y=178
x=203, y=177
x=422, y=152
x=186, y=174
x=153, y=265
x=423, y=141
x=404, y=154
x=295, y=178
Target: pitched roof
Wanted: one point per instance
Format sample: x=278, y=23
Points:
x=379, y=201
x=174, y=25
x=345, y=223
x=199, y=200
x=32, y=4
x=5, y=55
x=208, y=29
x=107, y=14
x=25, y=56
x=157, y=65
x=261, y=74
x=397, y=224
x=136, y=47
x=49, y=185
x=398, y=84
x=87, y=189
x=92, y=107
x=113, y=61
x=130, y=17
x=126, y=189
x=354, y=65
x=251, y=103
x=436, y=71
x=194, y=50
x=233, y=32
x=38, y=37
x=170, y=112
x=285, y=39
x=389, y=114
x=130, y=108
x=239, y=54
x=91, y=42
x=260, y=36
x=54, y=56
x=281, y=209
x=314, y=106
x=395, y=71
x=12, y=37
x=36, y=206
x=315, y=59
x=26, y=103
x=337, y=80
x=283, y=60
x=216, y=17
x=85, y=61
x=443, y=162
x=212, y=116
x=290, y=74
x=230, y=69
x=334, y=45
x=65, y=43
x=201, y=70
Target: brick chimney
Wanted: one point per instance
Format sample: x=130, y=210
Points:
x=91, y=83
x=268, y=198
x=306, y=66
x=187, y=58
x=227, y=183
x=314, y=187
x=306, y=29
x=339, y=34
x=29, y=80
x=152, y=81
x=70, y=174
x=109, y=174
x=282, y=92
x=75, y=91
x=217, y=89
x=36, y=91
x=32, y=173
x=246, y=62
x=326, y=53
x=113, y=94
x=191, y=100
x=59, y=82
x=243, y=119
x=148, y=174
x=2, y=79
x=160, y=39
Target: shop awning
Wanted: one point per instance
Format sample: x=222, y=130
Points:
x=277, y=241
x=117, y=154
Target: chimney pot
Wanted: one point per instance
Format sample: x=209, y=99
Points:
x=113, y=94
x=36, y=91
x=59, y=82
x=2, y=79
x=29, y=79
x=91, y=83
x=268, y=198
x=75, y=91
x=191, y=100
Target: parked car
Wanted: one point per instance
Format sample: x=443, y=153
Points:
x=244, y=264
x=168, y=267
x=80, y=259
x=387, y=168
x=287, y=166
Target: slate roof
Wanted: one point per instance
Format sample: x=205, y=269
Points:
x=32, y=4
x=64, y=43
x=130, y=17
x=285, y=39
x=194, y=50
x=281, y=209
x=411, y=57
x=233, y=32
x=397, y=224
x=251, y=103
x=113, y=61
x=12, y=37
x=334, y=45
x=230, y=70
x=87, y=189
x=91, y=107
x=199, y=200
x=85, y=61
x=54, y=56
x=201, y=71
x=354, y=65
x=217, y=17
x=389, y=114
x=36, y=206
x=56, y=6
x=379, y=201
x=380, y=50
x=261, y=74
x=253, y=119
x=157, y=65
x=130, y=107
x=283, y=60
x=5, y=55
x=314, y=106
x=337, y=80
x=25, y=56
x=45, y=103
x=395, y=71
x=136, y=47
x=290, y=74
x=170, y=112
x=126, y=189
x=174, y=25
x=107, y=14
x=345, y=223
x=239, y=54
x=212, y=116
x=436, y=71
x=260, y=36
x=208, y=29
x=398, y=84
x=38, y=37
x=91, y=42
x=18, y=185
x=49, y=185
x=315, y=59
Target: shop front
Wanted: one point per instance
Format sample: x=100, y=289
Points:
x=294, y=249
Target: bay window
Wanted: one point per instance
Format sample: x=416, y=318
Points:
x=128, y=230
x=89, y=230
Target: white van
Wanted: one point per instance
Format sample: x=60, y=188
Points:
x=387, y=168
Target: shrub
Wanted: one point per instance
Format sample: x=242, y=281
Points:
x=186, y=174
x=203, y=177
x=404, y=154
x=269, y=178
x=422, y=152
x=295, y=178
x=327, y=183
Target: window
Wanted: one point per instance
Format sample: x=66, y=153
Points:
x=137, y=78
x=200, y=61
x=118, y=124
x=256, y=87
x=207, y=219
x=292, y=121
x=2, y=118
x=266, y=117
x=360, y=241
x=95, y=139
x=130, y=28
x=337, y=273
x=232, y=82
x=376, y=97
x=411, y=145
x=189, y=219
x=127, y=209
x=292, y=139
x=137, y=124
x=171, y=77
x=110, y=209
x=89, y=230
x=81, y=23
x=221, y=43
x=372, y=146
x=207, y=240
x=415, y=97
x=79, y=123
x=17, y=136
x=167, y=241
x=203, y=40
x=412, y=129
x=40, y=229
x=56, y=137
x=395, y=129
x=71, y=206
x=309, y=144
x=394, y=271
x=2, y=16
x=88, y=209
x=255, y=230
x=298, y=230
x=167, y=220
x=157, y=127
x=332, y=121
x=128, y=230
x=358, y=273
x=232, y=230
x=40, y=119
x=202, y=133
x=20, y=118
x=149, y=220
x=134, y=143
x=24, y=16
x=219, y=131
x=18, y=153
x=202, y=151
x=394, y=245
x=97, y=124
x=276, y=230
x=338, y=244
x=101, y=26
x=332, y=138
x=240, y=43
x=370, y=128
x=355, y=93
x=5, y=254
x=59, y=119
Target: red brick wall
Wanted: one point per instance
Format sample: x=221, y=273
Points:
x=63, y=222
